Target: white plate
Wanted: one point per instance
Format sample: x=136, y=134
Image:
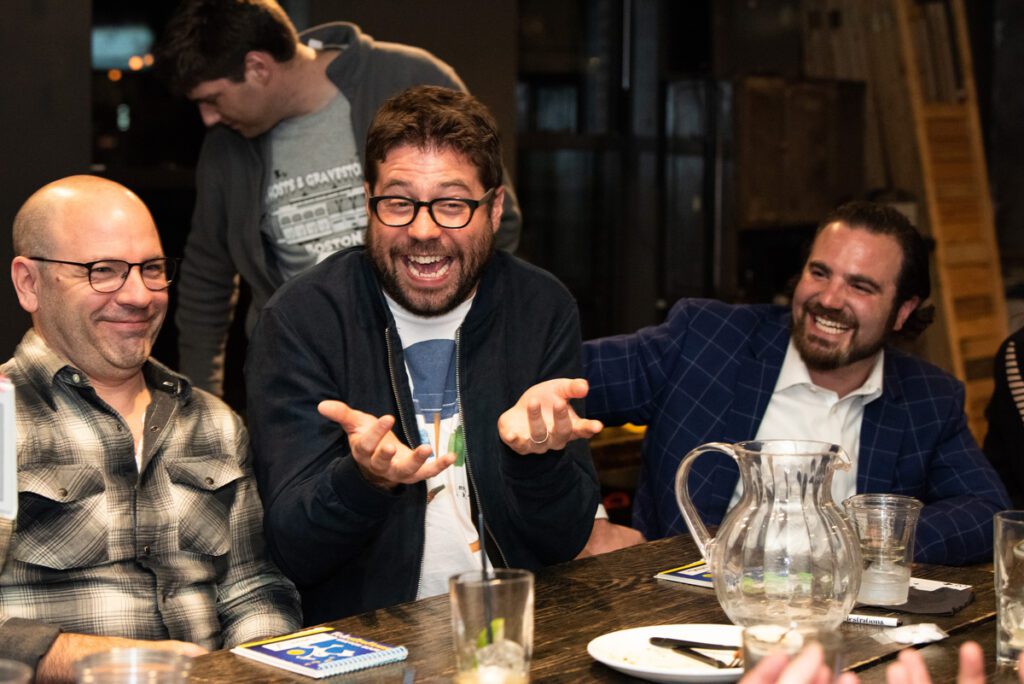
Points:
x=630, y=651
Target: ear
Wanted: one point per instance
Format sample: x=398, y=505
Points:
x=497, y=206
x=367, y=194
x=259, y=67
x=25, y=276
x=906, y=308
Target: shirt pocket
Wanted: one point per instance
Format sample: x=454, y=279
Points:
x=62, y=517
x=205, y=491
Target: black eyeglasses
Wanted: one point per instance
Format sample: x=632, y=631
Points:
x=448, y=212
x=110, y=275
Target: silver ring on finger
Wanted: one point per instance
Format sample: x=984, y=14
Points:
x=540, y=441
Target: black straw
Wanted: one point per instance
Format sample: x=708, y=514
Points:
x=483, y=572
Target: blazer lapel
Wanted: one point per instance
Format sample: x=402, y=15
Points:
x=756, y=374
x=881, y=431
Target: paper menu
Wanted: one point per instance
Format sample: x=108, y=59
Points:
x=8, y=452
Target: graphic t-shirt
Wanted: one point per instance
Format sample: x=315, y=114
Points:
x=314, y=203
x=452, y=543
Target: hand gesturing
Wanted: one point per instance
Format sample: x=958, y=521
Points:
x=380, y=455
x=543, y=419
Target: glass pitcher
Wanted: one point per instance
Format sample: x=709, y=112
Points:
x=784, y=554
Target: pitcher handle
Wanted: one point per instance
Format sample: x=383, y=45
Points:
x=691, y=517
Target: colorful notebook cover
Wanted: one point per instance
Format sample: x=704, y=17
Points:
x=695, y=573
x=320, y=652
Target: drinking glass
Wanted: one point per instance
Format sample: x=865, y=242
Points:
x=14, y=672
x=885, y=525
x=133, y=666
x=1009, y=566
x=492, y=626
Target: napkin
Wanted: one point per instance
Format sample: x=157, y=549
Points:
x=942, y=601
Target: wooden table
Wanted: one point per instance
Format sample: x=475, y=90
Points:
x=580, y=600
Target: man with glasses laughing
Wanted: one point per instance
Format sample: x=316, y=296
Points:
x=138, y=521
x=375, y=381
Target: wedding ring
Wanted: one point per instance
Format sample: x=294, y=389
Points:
x=541, y=441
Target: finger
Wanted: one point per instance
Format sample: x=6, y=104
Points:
x=535, y=419
x=436, y=466
x=848, y=678
x=896, y=673
x=371, y=438
x=917, y=671
x=585, y=428
x=805, y=666
x=412, y=465
x=575, y=388
x=767, y=671
x=972, y=664
x=561, y=427
x=333, y=410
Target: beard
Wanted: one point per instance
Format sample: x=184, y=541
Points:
x=467, y=265
x=819, y=353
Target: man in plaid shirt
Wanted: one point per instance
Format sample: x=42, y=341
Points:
x=139, y=522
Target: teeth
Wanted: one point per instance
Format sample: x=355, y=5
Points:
x=830, y=326
x=423, y=261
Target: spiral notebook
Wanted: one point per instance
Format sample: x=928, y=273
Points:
x=320, y=652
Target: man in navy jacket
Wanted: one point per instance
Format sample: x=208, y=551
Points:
x=713, y=372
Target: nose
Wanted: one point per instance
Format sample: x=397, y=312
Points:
x=833, y=295
x=209, y=114
x=423, y=227
x=134, y=291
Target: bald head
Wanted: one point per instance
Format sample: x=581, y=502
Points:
x=59, y=234
x=37, y=226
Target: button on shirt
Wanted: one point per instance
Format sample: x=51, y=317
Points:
x=169, y=549
x=799, y=409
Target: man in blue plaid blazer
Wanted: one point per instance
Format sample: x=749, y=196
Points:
x=710, y=371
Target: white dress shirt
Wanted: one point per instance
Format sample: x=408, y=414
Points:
x=799, y=409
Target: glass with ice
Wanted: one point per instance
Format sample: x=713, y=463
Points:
x=1009, y=578
x=492, y=626
x=885, y=525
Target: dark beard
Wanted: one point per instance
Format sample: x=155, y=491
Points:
x=818, y=358
x=474, y=260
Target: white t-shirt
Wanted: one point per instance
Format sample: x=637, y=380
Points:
x=452, y=544
x=799, y=409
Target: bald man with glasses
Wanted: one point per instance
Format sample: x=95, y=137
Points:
x=138, y=521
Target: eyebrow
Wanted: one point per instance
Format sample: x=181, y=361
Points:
x=864, y=280
x=854, y=279
x=445, y=185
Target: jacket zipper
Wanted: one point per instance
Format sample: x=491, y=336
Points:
x=405, y=431
x=465, y=446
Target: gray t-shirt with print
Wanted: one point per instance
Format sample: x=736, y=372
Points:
x=314, y=204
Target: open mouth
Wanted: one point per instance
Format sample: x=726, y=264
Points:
x=428, y=267
x=831, y=326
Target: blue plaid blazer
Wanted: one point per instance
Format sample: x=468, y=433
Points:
x=707, y=374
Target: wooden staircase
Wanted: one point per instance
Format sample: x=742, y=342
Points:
x=939, y=77
x=924, y=136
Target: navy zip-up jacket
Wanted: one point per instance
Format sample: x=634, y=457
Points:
x=350, y=546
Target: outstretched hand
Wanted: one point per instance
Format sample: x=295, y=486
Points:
x=380, y=455
x=542, y=419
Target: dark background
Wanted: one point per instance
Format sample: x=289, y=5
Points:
x=618, y=121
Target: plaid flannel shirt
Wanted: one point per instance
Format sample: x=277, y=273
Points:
x=175, y=551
